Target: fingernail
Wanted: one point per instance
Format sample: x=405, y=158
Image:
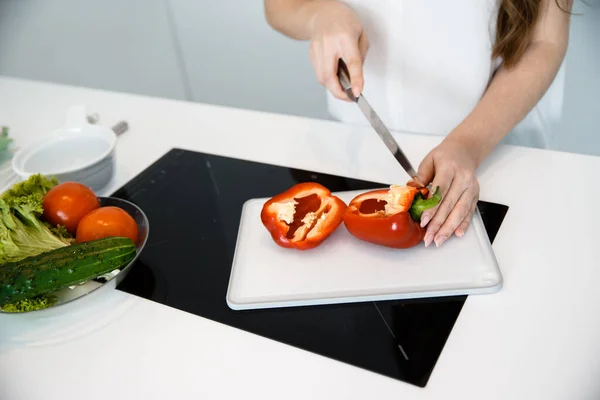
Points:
x=427, y=239
x=459, y=233
x=440, y=240
x=424, y=220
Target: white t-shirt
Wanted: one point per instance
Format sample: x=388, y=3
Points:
x=428, y=65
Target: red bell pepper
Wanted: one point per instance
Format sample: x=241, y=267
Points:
x=303, y=216
x=391, y=217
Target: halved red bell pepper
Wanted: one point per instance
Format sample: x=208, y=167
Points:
x=303, y=216
x=391, y=217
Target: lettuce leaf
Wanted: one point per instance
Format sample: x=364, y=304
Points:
x=33, y=304
x=5, y=140
x=23, y=233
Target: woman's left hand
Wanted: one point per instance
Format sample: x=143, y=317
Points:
x=452, y=166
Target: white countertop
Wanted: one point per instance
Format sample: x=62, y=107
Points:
x=539, y=338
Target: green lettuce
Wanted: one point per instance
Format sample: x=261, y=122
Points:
x=23, y=233
x=33, y=304
x=37, y=185
x=5, y=140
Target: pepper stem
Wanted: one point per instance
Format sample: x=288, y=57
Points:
x=421, y=204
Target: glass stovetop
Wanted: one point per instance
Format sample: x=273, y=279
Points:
x=193, y=202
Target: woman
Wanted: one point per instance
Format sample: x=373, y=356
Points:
x=470, y=70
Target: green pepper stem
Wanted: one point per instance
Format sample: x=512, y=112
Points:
x=421, y=204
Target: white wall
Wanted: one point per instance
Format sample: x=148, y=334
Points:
x=223, y=52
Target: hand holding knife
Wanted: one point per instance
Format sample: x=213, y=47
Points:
x=375, y=121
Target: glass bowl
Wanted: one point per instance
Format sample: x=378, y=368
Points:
x=96, y=286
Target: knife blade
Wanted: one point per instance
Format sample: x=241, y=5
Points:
x=375, y=121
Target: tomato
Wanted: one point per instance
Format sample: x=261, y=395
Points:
x=105, y=222
x=67, y=203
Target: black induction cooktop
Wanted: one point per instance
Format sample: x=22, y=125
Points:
x=193, y=202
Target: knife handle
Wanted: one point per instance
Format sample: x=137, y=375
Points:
x=344, y=77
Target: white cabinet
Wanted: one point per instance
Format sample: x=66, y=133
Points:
x=579, y=128
x=234, y=58
x=110, y=44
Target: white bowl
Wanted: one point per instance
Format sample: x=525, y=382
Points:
x=78, y=152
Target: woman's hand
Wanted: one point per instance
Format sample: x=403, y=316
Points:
x=452, y=166
x=336, y=32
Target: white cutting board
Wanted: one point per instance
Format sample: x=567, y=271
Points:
x=344, y=269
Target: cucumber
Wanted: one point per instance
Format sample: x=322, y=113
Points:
x=63, y=267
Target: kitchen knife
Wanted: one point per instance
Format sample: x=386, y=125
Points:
x=375, y=121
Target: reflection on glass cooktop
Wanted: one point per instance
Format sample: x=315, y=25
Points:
x=193, y=202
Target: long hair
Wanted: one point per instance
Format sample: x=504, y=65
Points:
x=515, y=25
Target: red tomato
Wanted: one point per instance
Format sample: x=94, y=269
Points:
x=66, y=204
x=106, y=222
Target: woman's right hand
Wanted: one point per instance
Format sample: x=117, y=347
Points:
x=336, y=32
